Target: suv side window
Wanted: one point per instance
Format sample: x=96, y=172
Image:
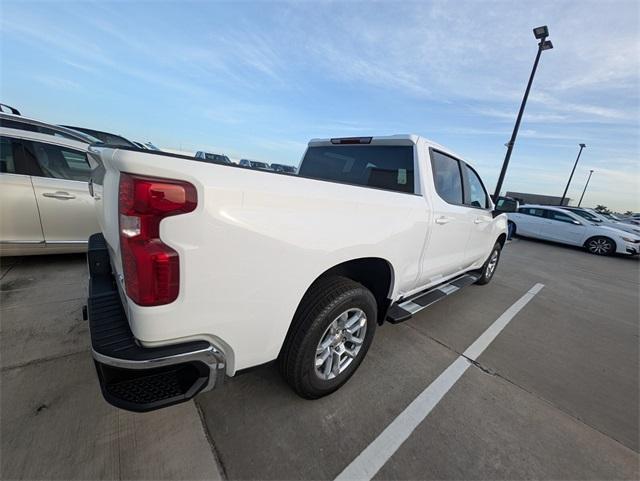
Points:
x=447, y=178
x=477, y=194
x=559, y=216
x=7, y=157
x=531, y=211
x=59, y=162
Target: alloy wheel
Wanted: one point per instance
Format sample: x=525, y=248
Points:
x=340, y=343
x=600, y=246
x=493, y=262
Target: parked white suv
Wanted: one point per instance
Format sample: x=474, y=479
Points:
x=219, y=268
x=45, y=205
x=560, y=225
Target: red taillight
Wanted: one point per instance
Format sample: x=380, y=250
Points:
x=151, y=268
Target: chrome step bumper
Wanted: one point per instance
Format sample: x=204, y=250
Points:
x=133, y=377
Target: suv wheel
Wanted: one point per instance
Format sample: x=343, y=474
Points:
x=601, y=246
x=330, y=335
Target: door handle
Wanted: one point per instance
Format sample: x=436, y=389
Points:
x=479, y=221
x=59, y=195
x=443, y=220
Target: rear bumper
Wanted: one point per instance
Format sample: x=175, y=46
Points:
x=133, y=377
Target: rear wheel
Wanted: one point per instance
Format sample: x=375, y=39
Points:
x=601, y=246
x=490, y=266
x=330, y=335
x=511, y=229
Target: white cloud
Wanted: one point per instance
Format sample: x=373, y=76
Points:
x=57, y=82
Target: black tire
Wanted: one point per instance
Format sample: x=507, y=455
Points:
x=486, y=273
x=327, y=299
x=511, y=229
x=600, y=246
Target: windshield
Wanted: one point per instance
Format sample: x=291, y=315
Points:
x=259, y=165
x=586, y=215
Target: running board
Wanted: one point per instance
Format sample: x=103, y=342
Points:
x=405, y=309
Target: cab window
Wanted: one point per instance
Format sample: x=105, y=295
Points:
x=387, y=167
x=447, y=178
x=477, y=195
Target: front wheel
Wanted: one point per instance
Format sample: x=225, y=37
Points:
x=330, y=335
x=489, y=267
x=601, y=246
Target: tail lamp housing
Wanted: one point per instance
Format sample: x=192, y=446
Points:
x=151, y=267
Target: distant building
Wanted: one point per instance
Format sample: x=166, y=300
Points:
x=525, y=198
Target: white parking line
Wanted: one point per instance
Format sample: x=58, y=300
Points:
x=374, y=456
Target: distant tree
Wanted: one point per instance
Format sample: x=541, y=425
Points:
x=602, y=209
x=628, y=213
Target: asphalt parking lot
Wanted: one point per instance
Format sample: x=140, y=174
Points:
x=554, y=396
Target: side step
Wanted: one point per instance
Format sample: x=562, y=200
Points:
x=406, y=308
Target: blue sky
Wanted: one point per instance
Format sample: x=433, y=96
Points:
x=259, y=79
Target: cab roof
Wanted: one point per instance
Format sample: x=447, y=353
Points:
x=397, y=139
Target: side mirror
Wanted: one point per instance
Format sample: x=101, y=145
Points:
x=506, y=204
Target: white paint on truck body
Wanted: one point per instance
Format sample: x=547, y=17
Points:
x=257, y=240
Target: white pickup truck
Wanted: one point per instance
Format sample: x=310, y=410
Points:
x=205, y=269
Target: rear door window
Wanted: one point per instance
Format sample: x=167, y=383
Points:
x=388, y=167
x=59, y=162
x=447, y=178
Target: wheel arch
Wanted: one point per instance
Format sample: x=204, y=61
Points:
x=374, y=273
x=502, y=238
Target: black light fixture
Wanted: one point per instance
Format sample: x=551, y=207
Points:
x=546, y=45
x=564, y=194
x=541, y=33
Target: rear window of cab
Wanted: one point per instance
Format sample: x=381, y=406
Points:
x=388, y=167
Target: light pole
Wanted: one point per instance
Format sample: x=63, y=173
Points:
x=541, y=33
x=582, y=146
x=585, y=187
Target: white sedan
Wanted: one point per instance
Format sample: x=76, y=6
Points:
x=559, y=225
